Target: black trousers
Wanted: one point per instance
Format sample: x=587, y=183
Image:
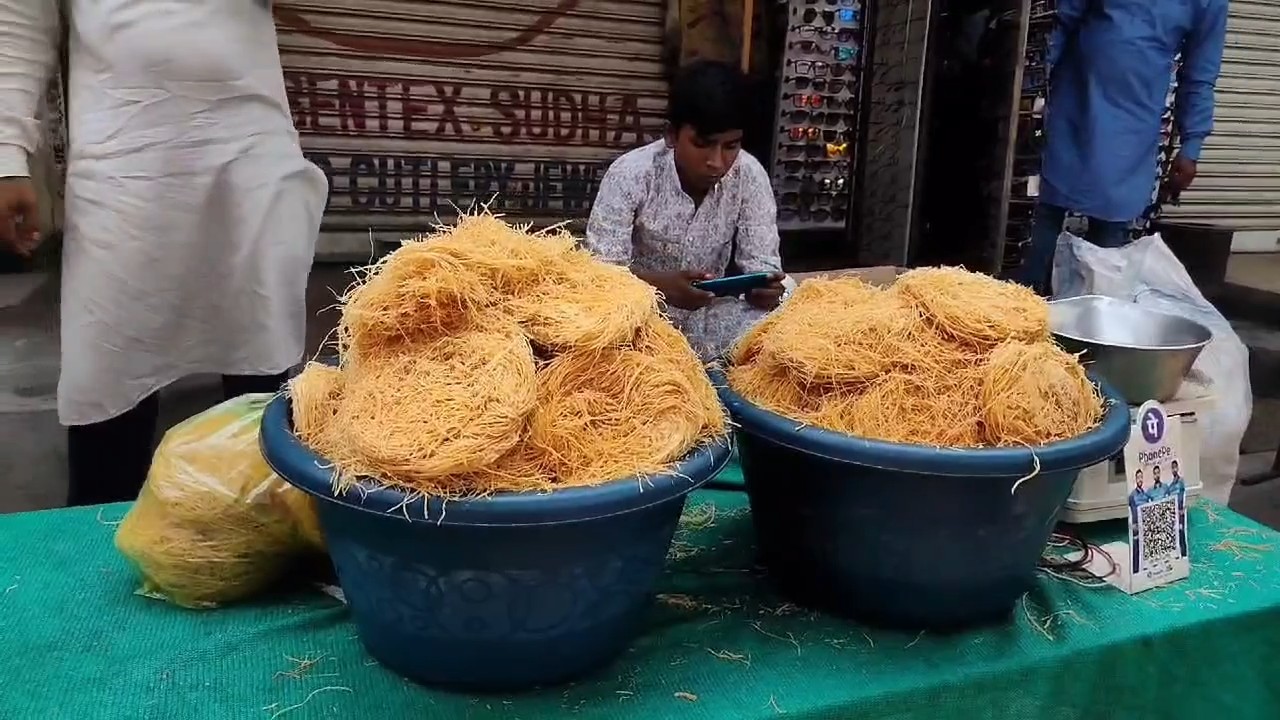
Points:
x=109, y=460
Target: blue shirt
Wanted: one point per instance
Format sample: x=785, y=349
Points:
x=1110, y=66
x=1139, y=497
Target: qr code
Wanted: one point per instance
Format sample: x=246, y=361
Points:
x=1159, y=523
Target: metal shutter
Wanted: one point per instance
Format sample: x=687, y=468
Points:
x=416, y=108
x=1238, y=182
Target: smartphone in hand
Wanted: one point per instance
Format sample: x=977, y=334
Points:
x=734, y=285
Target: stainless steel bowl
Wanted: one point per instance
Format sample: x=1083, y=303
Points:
x=1145, y=354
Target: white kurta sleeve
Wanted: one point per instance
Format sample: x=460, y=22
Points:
x=28, y=50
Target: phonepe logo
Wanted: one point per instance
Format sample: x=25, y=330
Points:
x=1152, y=426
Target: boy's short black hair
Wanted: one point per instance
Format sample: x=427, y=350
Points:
x=710, y=97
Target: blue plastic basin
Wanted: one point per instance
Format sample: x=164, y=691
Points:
x=506, y=593
x=902, y=535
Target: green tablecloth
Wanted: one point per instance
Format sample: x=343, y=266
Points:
x=78, y=644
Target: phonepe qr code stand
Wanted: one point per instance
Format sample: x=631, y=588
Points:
x=1156, y=551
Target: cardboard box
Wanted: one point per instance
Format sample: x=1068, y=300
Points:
x=879, y=275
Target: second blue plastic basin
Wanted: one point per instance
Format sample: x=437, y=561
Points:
x=905, y=535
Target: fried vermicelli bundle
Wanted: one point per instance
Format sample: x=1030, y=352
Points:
x=315, y=394
x=944, y=358
x=448, y=407
x=469, y=357
x=1033, y=393
x=585, y=305
x=974, y=309
x=611, y=414
x=837, y=341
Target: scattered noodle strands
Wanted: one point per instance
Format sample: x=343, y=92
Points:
x=944, y=357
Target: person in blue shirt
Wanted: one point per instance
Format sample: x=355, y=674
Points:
x=1159, y=490
x=1110, y=63
x=1178, y=489
x=1176, y=484
x=1137, y=498
x=1139, y=495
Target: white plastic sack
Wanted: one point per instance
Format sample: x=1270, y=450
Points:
x=1146, y=272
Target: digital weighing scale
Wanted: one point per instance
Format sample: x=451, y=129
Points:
x=1101, y=493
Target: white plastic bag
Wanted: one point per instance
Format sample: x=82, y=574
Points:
x=1146, y=272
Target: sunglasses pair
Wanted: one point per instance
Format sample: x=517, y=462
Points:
x=812, y=14
x=844, y=52
x=803, y=82
x=819, y=68
x=804, y=101
x=813, y=133
x=818, y=190
x=830, y=118
x=809, y=151
x=839, y=52
x=801, y=100
x=827, y=32
x=807, y=184
x=803, y=133
x=831, y=17
x=807, y=215
x=815, y=165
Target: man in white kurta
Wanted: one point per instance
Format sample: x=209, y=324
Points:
x=191, y=214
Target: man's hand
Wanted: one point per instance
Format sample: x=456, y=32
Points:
x=768, y=297
x=19, y=232
x=1181, y=173
x=677, y=288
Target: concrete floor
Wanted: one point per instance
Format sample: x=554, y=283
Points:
x=1260, y=271
x=33, y=462
x=32, y=445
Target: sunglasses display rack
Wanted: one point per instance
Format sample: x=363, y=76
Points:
x=1024, y=188
x=818, y=113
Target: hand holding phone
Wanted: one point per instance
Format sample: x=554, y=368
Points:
x=734, y=285
x=678, y=288
x=770, y=296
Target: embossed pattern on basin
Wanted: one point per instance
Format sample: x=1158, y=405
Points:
x=506, y=593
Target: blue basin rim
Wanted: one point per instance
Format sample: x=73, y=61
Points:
x=301, y=467
x=1097, y=445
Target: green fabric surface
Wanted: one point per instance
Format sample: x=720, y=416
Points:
x=79, y=644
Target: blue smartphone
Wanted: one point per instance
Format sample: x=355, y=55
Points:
x=734, y=285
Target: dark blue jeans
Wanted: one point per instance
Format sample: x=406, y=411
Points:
x=1037, y=266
